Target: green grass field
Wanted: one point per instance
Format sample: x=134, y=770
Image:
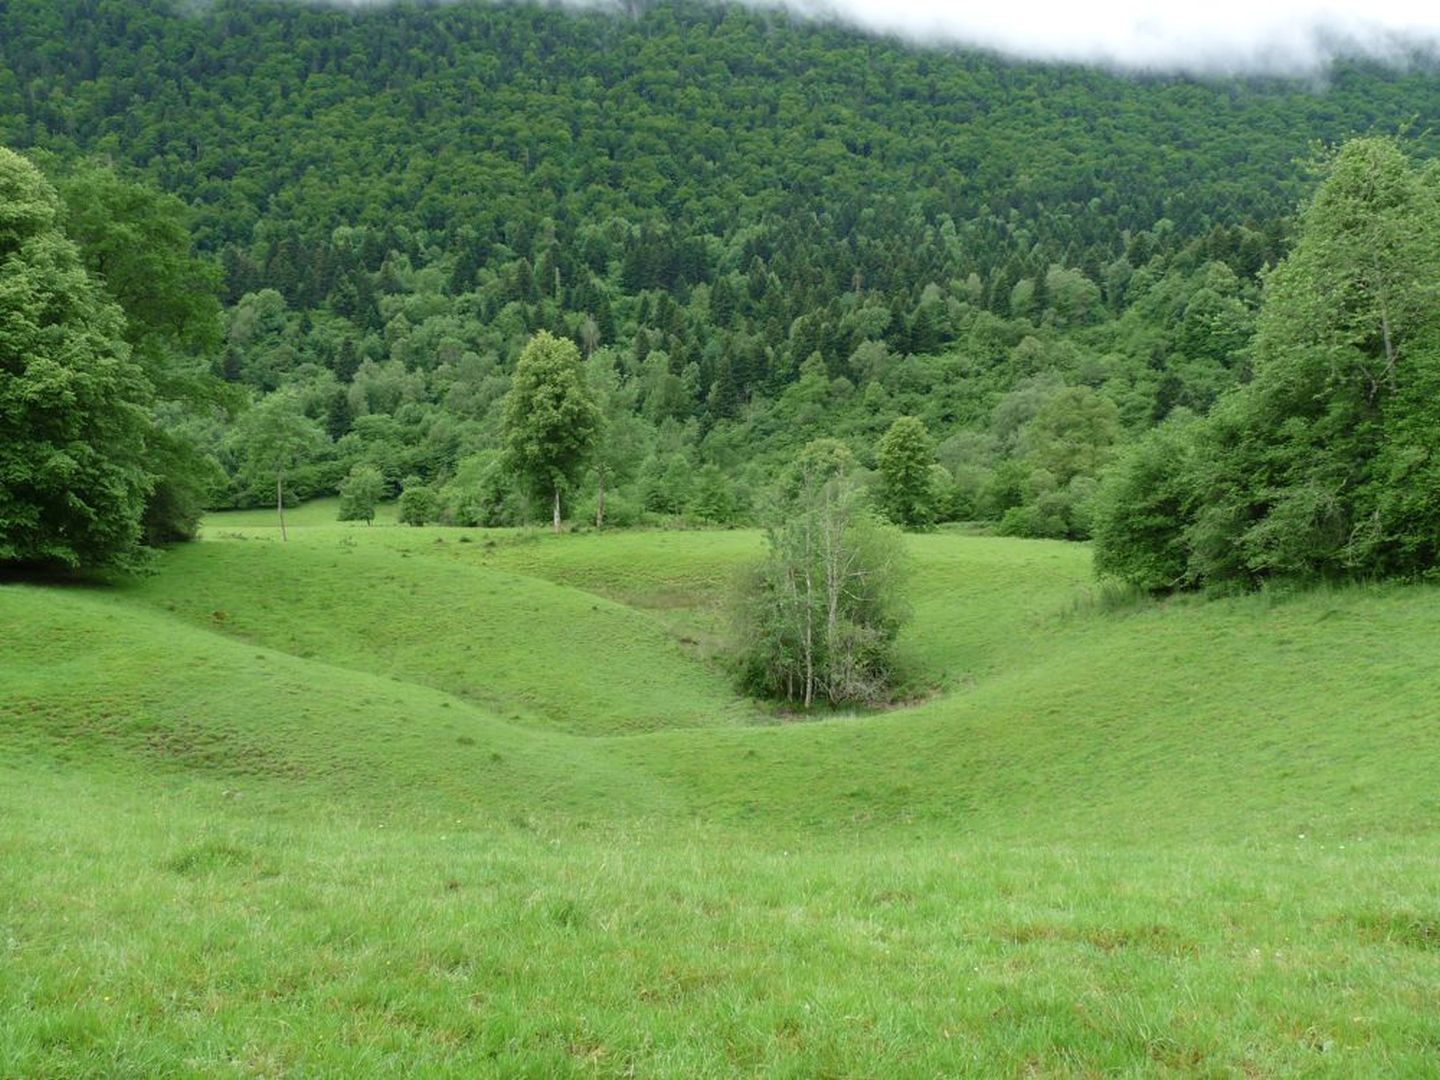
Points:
x=383, y=801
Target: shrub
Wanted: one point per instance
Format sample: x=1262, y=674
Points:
x=1146, y=508
x=418, y=504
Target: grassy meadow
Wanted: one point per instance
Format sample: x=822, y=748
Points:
x=384, y=801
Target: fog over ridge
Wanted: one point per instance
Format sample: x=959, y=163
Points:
x=1285, y=37
x=1219, y=37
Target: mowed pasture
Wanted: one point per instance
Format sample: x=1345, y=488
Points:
x=384, y=801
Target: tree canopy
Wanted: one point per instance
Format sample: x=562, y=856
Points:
x=1322, y=465
x=74, y=414
x=551, y=419
x=759, y=231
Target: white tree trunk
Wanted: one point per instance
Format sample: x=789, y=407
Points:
x=280, y=502
x=557, y=508
x=809, y=646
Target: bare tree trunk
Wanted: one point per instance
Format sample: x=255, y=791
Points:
x=280, y=502
x=600, y=502
x=832, y=554
x=557, y=508
x=1389, y=344
x=809, y=614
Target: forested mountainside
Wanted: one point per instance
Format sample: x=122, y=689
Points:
x=759, y=230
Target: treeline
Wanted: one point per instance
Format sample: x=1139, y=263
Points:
x=1327, y=463
x=758, y=231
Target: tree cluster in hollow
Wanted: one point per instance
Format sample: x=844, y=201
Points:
x=816, y=621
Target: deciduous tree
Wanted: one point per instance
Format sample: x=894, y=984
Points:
x=1313, y=468
x=276, y=437
x=136, y=243
x=551, y=419
x=74, y=417
x=904, y=456
x=818, y=618
x=418, y=503
x=360, y=491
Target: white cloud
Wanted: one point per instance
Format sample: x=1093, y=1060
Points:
x=1223, y=36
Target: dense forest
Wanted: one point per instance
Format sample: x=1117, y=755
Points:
x=758, y=231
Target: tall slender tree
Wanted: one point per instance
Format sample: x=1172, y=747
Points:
x=905, y=455
x=277, y=437
x=551, y=419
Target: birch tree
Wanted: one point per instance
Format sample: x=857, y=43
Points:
x=817, y=620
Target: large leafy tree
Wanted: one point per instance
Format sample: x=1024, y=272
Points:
x=361, y=489
x=1349, y=329
x=551, y=419
x=74, y=415
x=136, y=243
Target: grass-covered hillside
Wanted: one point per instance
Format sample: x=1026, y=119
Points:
x=398, y=802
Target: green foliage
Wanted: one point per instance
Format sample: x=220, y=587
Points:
x=831, y=268
x=904, y=457
x=819, y=462
x=1350, y=322
x=551, y=419
x=665, y=483
x=1071, y=434
x=74, y=422
x=817, y=620
x=276, y=439
x=136, y=243
x=844, y=257
x=482, y=492
x=188, y=478
x=360, y=491
x=1311, y=469
x=418, y=503
x=1145, y=507
x=713, y=498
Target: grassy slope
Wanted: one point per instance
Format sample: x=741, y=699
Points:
x=1167, y=840
x=1246, y=718
x=92, y=678
x=1258, y=716
x=399, y=602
